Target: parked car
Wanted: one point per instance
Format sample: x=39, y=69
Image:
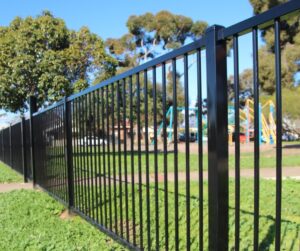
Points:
x=92, y=140
x=192, y=137
x=289, y=137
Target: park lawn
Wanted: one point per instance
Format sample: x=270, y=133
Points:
x=29, y=220
x=290, y=213
x=91, y=160
x=8, y=175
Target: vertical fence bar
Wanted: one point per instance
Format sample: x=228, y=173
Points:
x=132, y=161
x=23, y=143
x=120, y=160
x=187, y=149
x=75, y=155
x=257, y=136
x=97, y=142
x=147, y=159
x=175, y=135
x=114, y=158
x=278, y=134
x=165, y=145
x=200, y=148
x=85, y=163
x=217, y=140
x=155, y=157
x=68, y=151
x=2, y=145
x=107, y=174
x=104, y=156
x=10, y=146
x=139, y=160
x=100, y=154
x=92, y=140
x=81, y=153
x=88, y=165
x=237, y=140
x=125, y=157
x=32, y=109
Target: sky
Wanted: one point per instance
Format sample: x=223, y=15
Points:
x=108, y=18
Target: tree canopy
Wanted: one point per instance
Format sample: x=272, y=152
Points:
x=42, y=57
x=290, y=46
x=151, y=34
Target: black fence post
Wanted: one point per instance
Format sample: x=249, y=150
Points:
x=217, y=140
x=10, y=146
x=2, y=136
x=23, y=143
x=68, y=151
x=32, y=109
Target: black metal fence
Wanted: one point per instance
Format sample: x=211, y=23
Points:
x=106, y=152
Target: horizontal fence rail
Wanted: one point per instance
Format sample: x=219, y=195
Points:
x=114, y=154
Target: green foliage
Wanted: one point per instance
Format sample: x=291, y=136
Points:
x=246, y=82
x=30, y=221
x=7, y=175
x=290, y=46
x=290, y=99
x=148, y=35
x=40, y=56
x=179, y=89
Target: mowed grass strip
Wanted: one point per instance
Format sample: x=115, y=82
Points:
x=290, y=213
x=30, y=220
x=8, y=175
x=247, y=161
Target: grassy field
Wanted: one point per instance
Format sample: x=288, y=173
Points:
x=290, y=214
x=89, y=157
x=7, y=175
x=30, y=220
x=247, y=161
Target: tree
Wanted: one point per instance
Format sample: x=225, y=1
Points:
x=150, y=35
x=290, y=46
x=40, y=56
x=245, y=83
x=179, y=90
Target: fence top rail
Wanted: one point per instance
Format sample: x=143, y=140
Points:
x=16, y=122
x=50, y=107
x=261, y=21
x=150, y=64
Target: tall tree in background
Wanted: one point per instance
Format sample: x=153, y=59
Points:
x=40, y=56
x=179, y=89
x=150, y=35
x=290, y=45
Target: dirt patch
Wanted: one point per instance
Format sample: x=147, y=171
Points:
x=130, y=228
x=67, y=214
x=14, y=186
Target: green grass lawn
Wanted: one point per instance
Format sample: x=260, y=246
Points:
x=290, y=213
x=8, y=175
x=247, y=161
x=90, y=157
x=29, y=220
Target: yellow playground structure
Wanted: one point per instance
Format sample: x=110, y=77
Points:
x=267, y=125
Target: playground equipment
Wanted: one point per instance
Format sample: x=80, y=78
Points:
x=193, y=126
x=267, y=126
